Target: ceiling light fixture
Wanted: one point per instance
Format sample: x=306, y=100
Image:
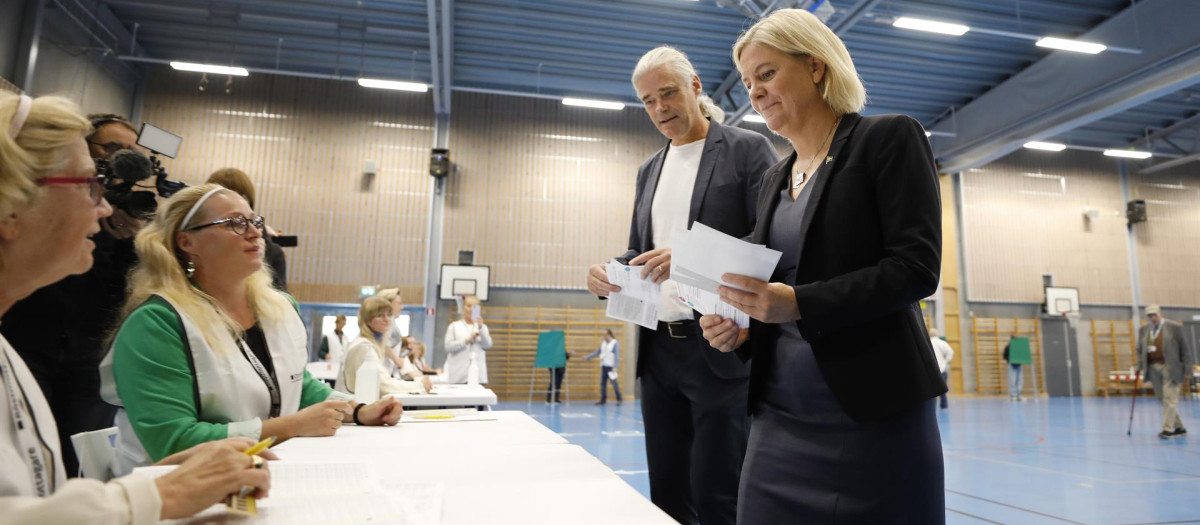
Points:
x=209, y=68
x=1064, y=44
x=590, y=103
x=1045, y=146
x=1128, y=154
x=931, y=26
x=415, y=87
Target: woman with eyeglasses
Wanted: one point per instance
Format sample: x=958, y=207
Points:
x=374, y=319
x=207, y=348
x=50, y=204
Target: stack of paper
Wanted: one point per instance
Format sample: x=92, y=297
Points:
x=329, y=493
x=638, y=300
x=700, y=256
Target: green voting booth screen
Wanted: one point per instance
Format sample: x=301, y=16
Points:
x=551, y=350
x=1018, y=351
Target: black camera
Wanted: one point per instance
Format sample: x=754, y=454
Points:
x=125, y=171
x=128, y=168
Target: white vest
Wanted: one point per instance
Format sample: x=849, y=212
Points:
x=230, y=390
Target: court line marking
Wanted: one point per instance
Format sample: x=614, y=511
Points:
x=994, y=502
x=980, y=518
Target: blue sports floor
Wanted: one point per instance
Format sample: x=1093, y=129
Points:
x=1044, y=461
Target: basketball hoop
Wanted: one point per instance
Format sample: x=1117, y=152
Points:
x=1072, y=318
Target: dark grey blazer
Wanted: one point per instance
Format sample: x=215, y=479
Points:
x=724, y=199
x=1175, y=350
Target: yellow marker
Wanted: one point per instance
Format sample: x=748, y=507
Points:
x=242, y=502
x=435, y=416
x=260, y=446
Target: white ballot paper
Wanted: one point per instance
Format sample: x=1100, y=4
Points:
x=328, y=493
x=638, y=300
x=700, y=256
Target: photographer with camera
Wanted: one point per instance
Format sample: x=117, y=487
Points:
x=60, y=330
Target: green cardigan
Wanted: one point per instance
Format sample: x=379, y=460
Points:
x=155, y=382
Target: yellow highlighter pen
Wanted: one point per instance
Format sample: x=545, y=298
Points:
x=242, y=502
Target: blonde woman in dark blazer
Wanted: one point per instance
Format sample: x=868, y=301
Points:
x=843, y=374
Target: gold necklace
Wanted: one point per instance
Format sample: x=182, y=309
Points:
x=799, y=181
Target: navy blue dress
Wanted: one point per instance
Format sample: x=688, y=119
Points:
x=807, y=461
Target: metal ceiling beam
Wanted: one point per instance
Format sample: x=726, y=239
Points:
x=1182, y=125
x=435, y=69
x=447, y=51
x=27, y=44
x=852, y=16
x=1064, y=90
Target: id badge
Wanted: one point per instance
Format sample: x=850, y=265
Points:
x=1152, y=348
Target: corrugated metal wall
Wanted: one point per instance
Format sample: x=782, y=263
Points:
x=304, y=143
x=1024, y=217
x=1169, y=240
x=542, y=190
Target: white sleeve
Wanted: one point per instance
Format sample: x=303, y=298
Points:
x=454, y=342
x=949, y=351
x=485, y=337
x=132, y=500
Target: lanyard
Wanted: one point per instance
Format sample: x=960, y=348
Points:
x=269, y=379
x=31, y=449
x=1154, y=335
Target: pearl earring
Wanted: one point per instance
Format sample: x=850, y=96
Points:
x=191, y=269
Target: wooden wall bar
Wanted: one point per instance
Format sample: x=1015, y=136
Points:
x=990, y=335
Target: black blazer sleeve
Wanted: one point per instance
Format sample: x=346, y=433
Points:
x=897, y=162
x=755, y=160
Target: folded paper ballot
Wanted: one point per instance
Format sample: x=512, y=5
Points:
x=700, y=256
x=638, y=300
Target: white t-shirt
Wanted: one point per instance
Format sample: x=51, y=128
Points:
x=669, y=211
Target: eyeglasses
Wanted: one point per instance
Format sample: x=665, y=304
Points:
x=238, y=224
x=96, y=189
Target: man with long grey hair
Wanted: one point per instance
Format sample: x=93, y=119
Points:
x=693, y=396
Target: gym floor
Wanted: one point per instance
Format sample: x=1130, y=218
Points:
x=1044, y=461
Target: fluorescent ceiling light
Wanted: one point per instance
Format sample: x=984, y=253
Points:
x=931, y=26
x=1071, y=45
x=209, y=68
x=415, y=87
x=589, y=103
x=1127, y=153
x=755, y=118
x=1045, y=146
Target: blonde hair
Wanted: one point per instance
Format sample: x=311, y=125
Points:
x=236, y=180
x=389, y=294
x=677, y=64
x=371, y=307
x=801, y=34
x=40, y=148
x=160, y=271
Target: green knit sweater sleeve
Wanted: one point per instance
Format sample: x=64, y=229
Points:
x=155, y=383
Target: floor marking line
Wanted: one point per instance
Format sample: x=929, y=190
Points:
x=1051, y=516
x=980, y=518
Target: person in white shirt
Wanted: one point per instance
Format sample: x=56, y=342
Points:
x=609, y=356
x=50, y=204
x=374, y=318
x=944, y=353
x=467, y=340
x=333, y=344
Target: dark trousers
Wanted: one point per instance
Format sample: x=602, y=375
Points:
x=604, y=381
x=555, y=388
x=696, y=430
x=946, y=378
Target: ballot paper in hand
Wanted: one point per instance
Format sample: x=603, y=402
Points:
x=700, y=256
x=638, y=300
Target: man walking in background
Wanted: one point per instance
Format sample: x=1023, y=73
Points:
x=1164, y=358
